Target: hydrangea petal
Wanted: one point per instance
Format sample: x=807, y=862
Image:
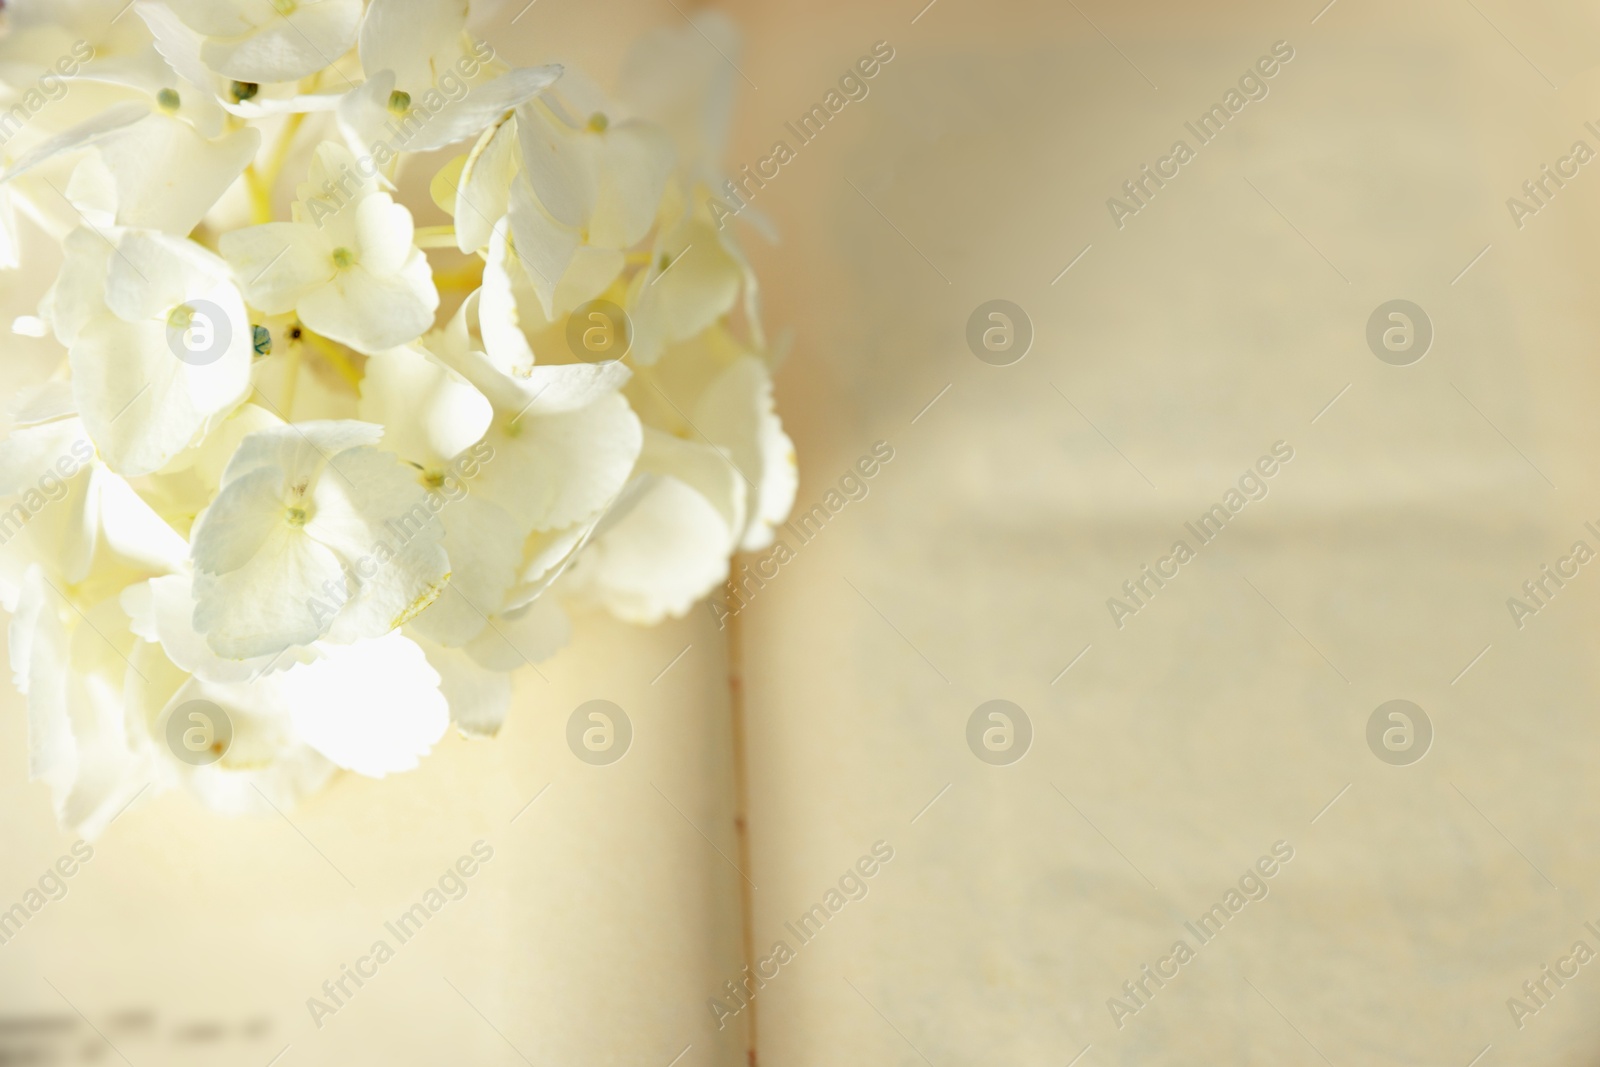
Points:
x=369, y=312
x=373, y=707
x=553, y=470
x=478, y=696
x=430, y=413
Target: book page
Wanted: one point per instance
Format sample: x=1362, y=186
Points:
x=506, y=902
x=1199, y=667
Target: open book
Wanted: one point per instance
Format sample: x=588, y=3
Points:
x=1213, y=681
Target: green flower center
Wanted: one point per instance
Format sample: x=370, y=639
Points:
x=168, y=99
x=343, y=257
x=295, y=516
x=399, y=101
x=598, y=122
x=180, y=317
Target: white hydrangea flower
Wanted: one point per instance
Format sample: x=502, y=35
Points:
x=671, y=547
x=736, y=411
x=41, y=33
x=271, y=40
x=373, y=706
x=476, y=678
x=429, y=82
x=265, y=764
x=205, y=94
x=157, y=338
x=259, y=481
x=74, y=533
x=314, y=533
x=564, y=439
x=100, y=171
x=693, y=280
x=724, y=478
x=671, y=78
x=166, y=155
x=345, y=265
x=72, y=665
x=435, y=420
x=163, y=174
x=578, y=185
x=64, y=511
x=715, y=391
x=563, y=443
x=592, y=172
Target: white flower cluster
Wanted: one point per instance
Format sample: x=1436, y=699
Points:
x=268, y=476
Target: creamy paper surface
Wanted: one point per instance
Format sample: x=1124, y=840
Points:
x=588, y=936
x=1227, y=714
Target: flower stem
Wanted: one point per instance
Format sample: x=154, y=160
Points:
x=291, y=380
x=280, y=151
x=436, y=237
x=262, y=181
x=260, y=195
